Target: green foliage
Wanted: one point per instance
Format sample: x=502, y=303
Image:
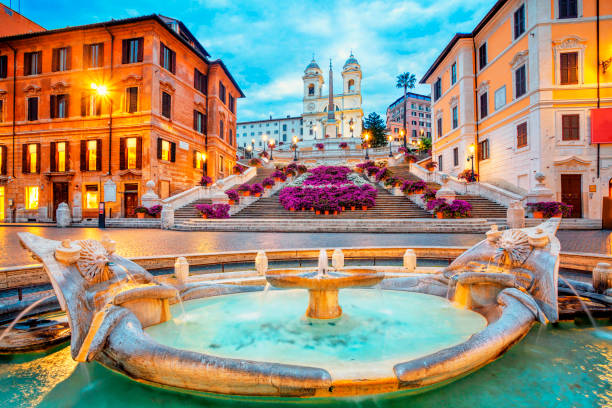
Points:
x=375, y=126
x=406, y=81
x=425, y=144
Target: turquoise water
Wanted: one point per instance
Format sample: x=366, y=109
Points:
x=378, y=329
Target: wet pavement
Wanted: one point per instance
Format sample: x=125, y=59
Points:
x=147, y=242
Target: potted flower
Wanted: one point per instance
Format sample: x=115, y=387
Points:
x=343, y=145
x=468, y=175
x=382, y=174
x=431, y=166
x=428, y=195
x=239, y=168
x=141, y=211
x=268, y=183
x=391, y=182
x=301, y=169
x=439, y=206
x=548, y=209
x=279, y=176
x=220, y=210
x=410, y=158
x=244, y=189
x=460, y=209
x=257, y=189
x=155, y=211
x=205, y=210
x=233, y=197
x=264, y=154
x=206, y=181
x=402, y=150
x=320, y=146
x=255, y=162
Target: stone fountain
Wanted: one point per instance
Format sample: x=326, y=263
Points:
x=501, y=286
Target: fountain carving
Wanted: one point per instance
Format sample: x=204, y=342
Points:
x=505, y=283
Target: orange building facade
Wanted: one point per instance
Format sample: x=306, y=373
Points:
x=91, y=113
x=515, y=98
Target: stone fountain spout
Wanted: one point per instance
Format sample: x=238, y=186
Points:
x=323, y=265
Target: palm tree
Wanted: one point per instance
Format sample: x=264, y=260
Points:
x=406, y=81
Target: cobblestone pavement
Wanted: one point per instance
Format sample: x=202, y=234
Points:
x=146, y=242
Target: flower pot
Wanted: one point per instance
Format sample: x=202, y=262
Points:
x=558, y=215
x=232, y=202
x=268, y=187
x=140, y=215
x=335, y=212
x=326, y=212
x=352, y=208
x=257, y=194
x=538, y=214
x=318, y=212
x=364, y=208
x=291, y=209
x=359, y=170
x=204, y=216
x=246, y=193
x=311, y=208
x=439, y=215
x=277, y=179
x=343, y=209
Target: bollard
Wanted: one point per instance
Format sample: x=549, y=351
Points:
x=261, y=263
x=181, y=269
x=338, y=259
x=602, y=277
x=410, y=260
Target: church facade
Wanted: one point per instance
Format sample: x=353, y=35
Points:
x=345, y=119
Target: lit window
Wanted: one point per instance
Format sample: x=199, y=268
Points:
x=92, y=155
x=91, y=197
x=31, y=197
x=131, y=153
x=165, y=154
x=32, y=150
x=61, y=156
x=1, y=203
x=199, y=159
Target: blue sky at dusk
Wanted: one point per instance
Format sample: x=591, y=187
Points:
x=267, y=44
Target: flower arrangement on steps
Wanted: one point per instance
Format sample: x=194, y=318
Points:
x=268, y=183
x=213, y=210
x=382, y=174
x=257, y=189
x=455, y=209
x=153, y=212
x=328, y=175
x=468, y=175
x=428, y=195
x=548, y=209
x=332, y=199
x=320, y=146
x=431, y=166
x=264, y=154
x=233, y=197
x=255, y=162
x=206, y=181
x=391, y=182
x=410, y=158
x=343, y=145
x=244, y=189
x=239, y=168
x=279, y=176
x=413, y=187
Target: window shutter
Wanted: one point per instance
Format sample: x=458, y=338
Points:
x=3, y=66
x=564, y=68
x=161, y=54
x=27, y=63
x=140, y=48
x=68, y=58
x=122, y=165
x=83, y=155
x=99, y=155
x=98, y=106
x=204, y=124
x=173, y=62
x=53, y=153
x=24, y=159
x=124, y=51
x=53, y=113
x=38, y=158
x=66, y=105
x=195, y=159
x=4, y=160
x=39, y=68
x=195, y=120
x=86, y=56
x=159, y=148
x=101, y=54
x=172, y=152
x=572, y=62
x=67, y=156
x=139, y=152
x=84, y=101
x=54, y=59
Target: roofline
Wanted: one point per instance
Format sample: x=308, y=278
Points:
x=231, y=78
x=408, y=94
x=268, y=120
x=490, y=14
x=31, y=21
x=111, y=23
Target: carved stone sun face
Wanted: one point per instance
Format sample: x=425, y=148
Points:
x=512, y=247
x=93, y=261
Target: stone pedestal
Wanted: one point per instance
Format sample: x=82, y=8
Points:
x=410, y=260
x=42, y=213
x=150, y=198
x=515, y=216
x=181, y=269
x=539, y=192
x=602, y=277
x=167, y=216
x=77, y=210
x=261, y=263
x=62, y=215
x=445, y=192
x=323, y=304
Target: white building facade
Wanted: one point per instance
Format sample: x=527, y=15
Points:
x=281, y=130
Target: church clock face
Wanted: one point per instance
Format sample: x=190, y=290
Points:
x=311, y=106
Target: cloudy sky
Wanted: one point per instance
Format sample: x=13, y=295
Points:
x=267, y=44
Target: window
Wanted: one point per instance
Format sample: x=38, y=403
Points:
x=311, y=90
x=568, y=8
x=570, y=125
x=166, y=150
x=198, y=160
x=31, y=197
x=414, y=133
x=351, y=85
x=199, y=122
x=439, y=127
x=232, y=103
x=166, y=105
x=199, y=81
x=520, y=81
x=131, y=99
x=455, y=117
x=61, y=58
x=167, y=58
x=3, y=69
x=130, y=153
x=519, y=21
x=3, y=161
x=453, y=74
x=221, y=130
x=33, y=108
x=131, y=50
x=456, y=156
x=440, y=162
x=483, y=150
x=221, y=91
x=93, y=55
x=437, y=89
x=569, y=68
x=2, y=203
x=484, y=105
x=221, y=164
x=91, y=155
x=230, y=137
x=91, y=197
x=500, y=97
x=31, y=158
x=59, y=106
x=59, y=157
x=521, y=135
x=91, y=104
x=482, y=56
x=32, y=63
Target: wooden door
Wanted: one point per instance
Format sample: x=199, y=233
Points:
x=60, y=195
x=571, y=193
x=130, y=200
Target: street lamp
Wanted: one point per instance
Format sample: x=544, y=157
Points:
x=295, y=140
x=403, y=135
x=252, y=147
x=271, y=146
x=264, y=137
x=390, y=138
x=471, y=149
x=351, y=126
x=249, y=150
x=367, y=138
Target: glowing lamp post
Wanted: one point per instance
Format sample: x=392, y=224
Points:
x=271, y=146
x=295, y=141
x=390, y=138
x=264, y=138
x=249, y=150
x=472, y=149
x=252, y=147
x=403, y=135
x=367, y=140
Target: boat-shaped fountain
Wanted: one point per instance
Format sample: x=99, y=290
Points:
x=330, y=332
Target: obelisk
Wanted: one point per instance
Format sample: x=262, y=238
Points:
x=331, y=129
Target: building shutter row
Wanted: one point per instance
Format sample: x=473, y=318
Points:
x=125, y=49
x=98, y=155
x=55, y=62
x=25, y=169
x=123, y=153
x=3, y=167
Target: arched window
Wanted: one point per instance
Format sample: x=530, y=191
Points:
x=311, y=90
x=351, y=85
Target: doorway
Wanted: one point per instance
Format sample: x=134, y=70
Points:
x=571, y=193
x=130, y=200
x=60, y=195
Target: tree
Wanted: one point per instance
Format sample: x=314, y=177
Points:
x=406, y=81
x=425, y=144
x=376, y=127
